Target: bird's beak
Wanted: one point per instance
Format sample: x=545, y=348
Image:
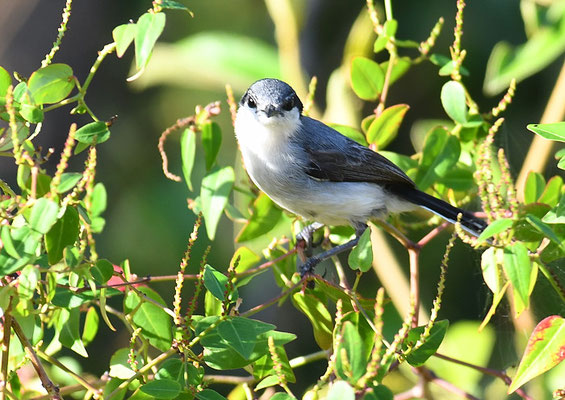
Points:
x=271, y=110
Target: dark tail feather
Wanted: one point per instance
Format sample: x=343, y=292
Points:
x=468, y=221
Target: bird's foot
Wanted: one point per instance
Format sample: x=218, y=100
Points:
x=308, y=266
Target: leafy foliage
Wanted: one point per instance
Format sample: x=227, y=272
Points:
x=54, y=287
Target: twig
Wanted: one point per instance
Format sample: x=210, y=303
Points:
x=52, y=389
x=162, y=357
x=83, y=382
x=7, y=333
x=260, y=307
x=487, y=371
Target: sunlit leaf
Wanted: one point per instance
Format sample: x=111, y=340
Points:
x=555, y=131
x=517, y=266
x=361, y=257
x=494, y=228
x=367, y=78
x=543, y=351
x=123, y=36
x=5, y=81
x=149, y=28
x=319, y=317
x=93, y=133
x=385, y=127
x=214, y=192
x=68, y=327
x=211, y=140
x=64, y=233
x=264, y=218
x=188, y=151
x=43, y=215
x=51, y=84
x=161, y=389
x=453, y=101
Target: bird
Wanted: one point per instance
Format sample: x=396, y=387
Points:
x=313, y=171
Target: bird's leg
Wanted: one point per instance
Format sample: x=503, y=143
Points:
x=304, y=240
x=309, y=265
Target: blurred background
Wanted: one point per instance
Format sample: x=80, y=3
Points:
x=234, y=42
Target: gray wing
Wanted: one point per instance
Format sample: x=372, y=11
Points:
x=334, y=157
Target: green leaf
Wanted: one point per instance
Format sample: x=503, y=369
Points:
x=265, y=216
x=214, y=192
x=43, y=215
x=419, y=356
x=379, y=392
x=91, y=324
x=219, y=354
x=173, y=369
x=211, y=141
x=174, y=5
x=491, y=261
x=27, y=281
x=68, y=328
x=496, y=227
x=68, y=181
x=51, y=84
x=241, y=334
x=545, y=229
x=458, y=179
x=517, y=266
x=441, y=152
x=534, y=186
x=24, y=242
x=390, y=27
x=5, y=81
x=384, y=128
x=557, y=215
x=154, y=322
x=341, y=390
x=319, y=317
x=543, y=351
x=264, y=367
x=161, y=389
x=123, y=36
x=119, y=365
x=188, y=151
x=209, y=394
x=149, y=28
x=93, y=133
x=400, y=67
x=31, y=113
x=70, y=299
x=361, y=257
x=353, y=366
x=404, y=162
x=215, y=282
x=351, y=133
x=555, y=131
x=64, y=233
x=367, y=78
x=99, y=200
x=453, y=101
x=506, y=63
x=102, y=271
x=552, y=191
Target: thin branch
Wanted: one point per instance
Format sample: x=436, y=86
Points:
x=487, y=371
x=51, y=388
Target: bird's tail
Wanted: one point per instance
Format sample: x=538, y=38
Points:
x=468, y=221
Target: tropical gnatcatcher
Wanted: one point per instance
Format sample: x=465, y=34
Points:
x=314, y=171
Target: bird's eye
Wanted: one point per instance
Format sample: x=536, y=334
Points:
x=251, y=103
x=288, y=104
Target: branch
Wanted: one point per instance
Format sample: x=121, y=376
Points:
x=52, y=389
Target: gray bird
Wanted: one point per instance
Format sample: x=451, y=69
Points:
x=314, y=171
